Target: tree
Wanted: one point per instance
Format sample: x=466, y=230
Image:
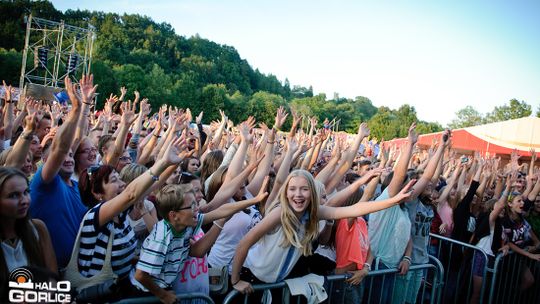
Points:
x=466, y=117
x=213, y=98
x=515, y=109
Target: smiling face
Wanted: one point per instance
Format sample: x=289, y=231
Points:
x=187, y=215
x=86, y=154
x=516, y=205
x=15, y=198
x=68, y=166
x=298, y=194
x=114, y=187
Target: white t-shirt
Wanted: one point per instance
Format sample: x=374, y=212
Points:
x=269, y=261
x=193, y=276
x=234, y=230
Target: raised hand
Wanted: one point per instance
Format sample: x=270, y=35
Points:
x=172, y=154
x=245, y=129
x=446, y=136
x=281, y=116
x=73, y=96
x=292, y=144
x=363, y=130
x=371, y=174
x=88, y=89
x=297, y=117
x=198, y=119
x=8, y=90
x=123, y=92
x=145, y=108
x=412, y=135
x=313, y=121
x=31, y=123
x=406, y=192
x=128, y=113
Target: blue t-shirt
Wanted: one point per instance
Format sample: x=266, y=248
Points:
x=389, y=231
x=61, y=208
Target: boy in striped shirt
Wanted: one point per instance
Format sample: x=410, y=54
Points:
x=167, y=247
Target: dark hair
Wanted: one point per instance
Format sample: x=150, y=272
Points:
x=185, y=163
x=103, y=140
x=24, y=230
x=186, y=178
x=91, y=181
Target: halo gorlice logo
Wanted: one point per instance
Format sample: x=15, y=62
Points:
x=22, y=288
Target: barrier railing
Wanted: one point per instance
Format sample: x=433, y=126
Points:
x=509, y=280
x=458, y=260
x=187, y=298
x=429, y=291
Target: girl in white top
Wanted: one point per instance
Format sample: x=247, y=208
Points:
x=24, y=241
x=298, y=212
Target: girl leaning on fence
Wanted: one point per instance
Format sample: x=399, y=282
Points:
x=288, y=230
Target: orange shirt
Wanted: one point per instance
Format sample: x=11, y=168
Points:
x=352, y=244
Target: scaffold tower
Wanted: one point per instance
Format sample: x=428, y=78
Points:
x=58, y=51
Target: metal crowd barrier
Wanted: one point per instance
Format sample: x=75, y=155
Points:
x=429, y=291
x=507, y=279
x=186, y=298
x=457, y=259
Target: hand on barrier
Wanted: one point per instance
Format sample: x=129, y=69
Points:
x=404, y=266
x=243, y=287
x=357, y=276
x=168, y=297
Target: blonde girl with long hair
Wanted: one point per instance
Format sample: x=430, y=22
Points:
x=288, y=230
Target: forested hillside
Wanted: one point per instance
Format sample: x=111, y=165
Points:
x=166, y=67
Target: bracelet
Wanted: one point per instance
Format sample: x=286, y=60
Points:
x=155, y=178
x=367, y=266
x=407, y=259
x=220, y=227
x=235, y=282
x=156, y=135
x=28, y=136
x=270, y=142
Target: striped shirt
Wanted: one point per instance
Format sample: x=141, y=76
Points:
x=164, y=252
x=94, y=242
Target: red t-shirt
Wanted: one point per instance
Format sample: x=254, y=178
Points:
x=352, y=244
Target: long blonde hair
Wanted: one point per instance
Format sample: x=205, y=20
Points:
x=291, y=224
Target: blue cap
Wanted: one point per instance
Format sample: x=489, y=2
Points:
x=62, y=97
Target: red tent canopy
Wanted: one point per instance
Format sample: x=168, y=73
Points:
x=495, y=138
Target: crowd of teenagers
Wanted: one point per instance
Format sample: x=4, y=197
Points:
x=123, y=203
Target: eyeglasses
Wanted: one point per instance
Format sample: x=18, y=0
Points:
x=87, y=150
x=193, y=207
x=125, y=158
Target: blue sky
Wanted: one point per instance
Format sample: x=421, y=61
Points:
x=438, y=56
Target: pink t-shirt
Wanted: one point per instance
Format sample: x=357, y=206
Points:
x=445, y=213
x=352, y=244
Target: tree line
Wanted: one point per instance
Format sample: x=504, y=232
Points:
x=134, y=51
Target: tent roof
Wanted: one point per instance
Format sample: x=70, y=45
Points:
x=499, y=137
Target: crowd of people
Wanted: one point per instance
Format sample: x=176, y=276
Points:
x=125, y=204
